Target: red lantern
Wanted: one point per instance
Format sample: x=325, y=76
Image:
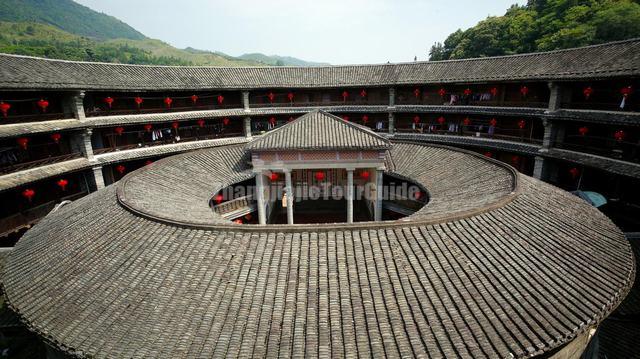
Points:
x=248, y=216
x=138, y=100
x=271, y=97
x=272, y=121
x=626, y=91
x=493, y=91
x=225, y=121
x=274, y=176
x=290, y=96
x=148, y=127
x=238, y=221
x=522, y=124
x=467, y=92
x=583, y=130
x=28, y=194
x=168, y=101
x=194, y=99
x=416, y=120
x=121, y=169
x=62, y=183
x=290, y=119
x=619, y=135
x=416, y=93
x=220, y=99
x=346, y=118
x=574, y=172
x=201, y=123
x=109, y=101
x=365, y=175
x=363, y=93
x=493, y=122
x=4, y=108
x=319, y=176
x=43, y=104
x=524, y=91
x=466, y=121
x=148, y=162
x=488, y=154
x=515, y=160
x=175, y=125
x=23, y=142
x=365, y=119
x=218, y=198
x=587, y=92
x=56, y=137
x=345, y=95
x=442, y=92
x=441, y=120
x=119, y=130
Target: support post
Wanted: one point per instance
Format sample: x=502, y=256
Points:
x=98, y=178
x=538, y=167
x=85, y=143
x=74, y=105
x=245, y=101
x=288, y=187
x=555, y=96
x=247, y=127
x=392, y=123
x=262, y=215
x=547, y=138
x=392, y=96
x=378, y=204
x=349, y=195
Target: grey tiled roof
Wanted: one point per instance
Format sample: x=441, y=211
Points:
x=319, y=130
x=516, y=278
x=600, y=61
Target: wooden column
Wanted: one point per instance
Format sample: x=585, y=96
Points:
x=247, y=127
x=262, y=211
x=349, y=195
x=288, y=187
x=378, y=203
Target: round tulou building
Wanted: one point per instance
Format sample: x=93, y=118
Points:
x=481, y=208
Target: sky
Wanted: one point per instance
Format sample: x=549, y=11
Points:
x=333, y=31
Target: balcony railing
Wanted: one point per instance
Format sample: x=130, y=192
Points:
x=234, y=205
x=488, y=103
x=168, y=141
x=502, y=134
x=320, y=103
x=17, y=118
x=150, y=110
x=31, y=216
x=38, y=163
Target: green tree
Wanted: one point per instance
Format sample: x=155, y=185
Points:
x=543, y=25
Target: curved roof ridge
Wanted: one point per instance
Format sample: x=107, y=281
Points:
x=286, y=138
x=528, y=54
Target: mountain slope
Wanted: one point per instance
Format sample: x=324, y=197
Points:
x=275, y=60
x=47, y=41
x=544, y=25
x=69, y=16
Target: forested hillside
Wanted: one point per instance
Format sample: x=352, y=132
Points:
x=544, y=25
x=69, y=16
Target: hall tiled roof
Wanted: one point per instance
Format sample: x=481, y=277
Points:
x=526, y=272
x=599, y=61
x=319, y=130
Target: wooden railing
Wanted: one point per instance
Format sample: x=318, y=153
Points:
x=31, y=216
x=38, y=163
x=233, y=205
x=150, y=110
x=164, y=142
